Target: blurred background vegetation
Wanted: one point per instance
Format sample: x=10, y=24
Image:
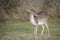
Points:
x=12, y=11
x=15, y=10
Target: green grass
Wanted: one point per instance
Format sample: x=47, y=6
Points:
x=23, y=31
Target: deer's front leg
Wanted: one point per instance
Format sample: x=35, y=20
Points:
x=35, y=30
x=43, y=29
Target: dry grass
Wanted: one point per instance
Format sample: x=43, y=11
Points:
x=23, y=31
x=22, y=36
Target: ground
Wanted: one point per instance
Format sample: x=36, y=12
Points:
x=24, y=31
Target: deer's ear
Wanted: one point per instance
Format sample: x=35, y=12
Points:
x=28, y=10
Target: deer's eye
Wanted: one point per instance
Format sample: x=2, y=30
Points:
x=35, y=16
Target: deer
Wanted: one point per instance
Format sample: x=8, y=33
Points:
x=37, y=19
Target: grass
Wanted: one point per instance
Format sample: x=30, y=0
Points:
x=23, y=31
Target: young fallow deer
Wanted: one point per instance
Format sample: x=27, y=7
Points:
x=38, y=19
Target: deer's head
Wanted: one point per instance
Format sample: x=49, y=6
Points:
x=31, y=12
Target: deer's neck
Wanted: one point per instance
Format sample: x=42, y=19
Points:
x=31, y=16
x=32, y=19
